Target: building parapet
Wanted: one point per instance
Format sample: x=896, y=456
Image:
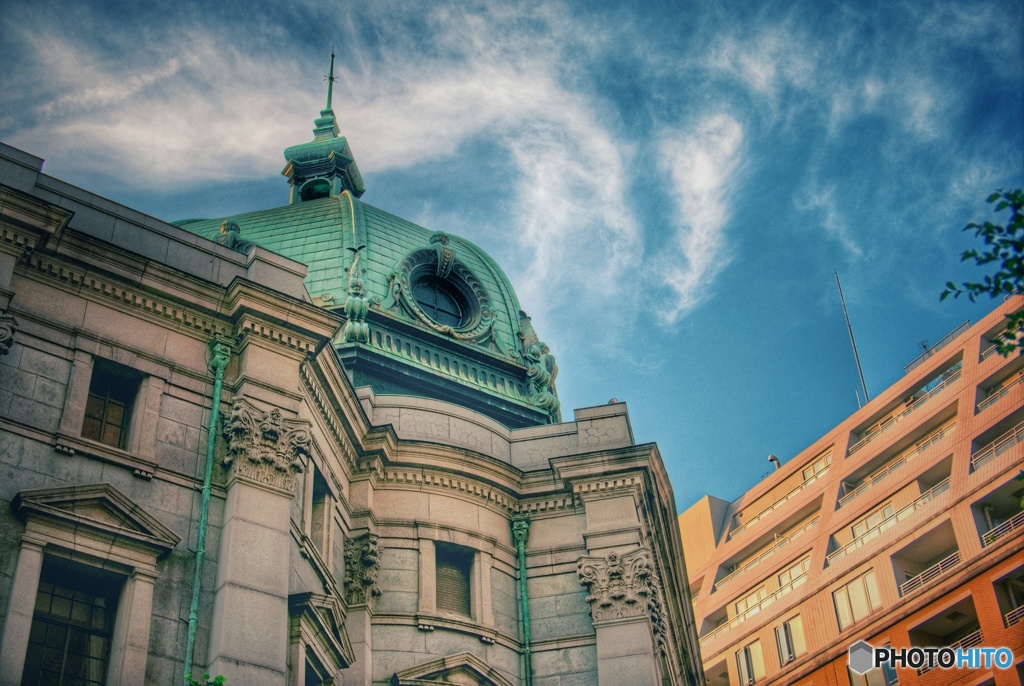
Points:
x=999, y=392
x=777, y=504
x=902, y=459
x=1007, y=527
x=782, y=542
x=890, y=521
x=880, y=427
x=969, y=641
x=997, y=447
x=934, y=572
x=753, y=610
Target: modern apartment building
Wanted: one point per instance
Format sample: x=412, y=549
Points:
x=902, y=526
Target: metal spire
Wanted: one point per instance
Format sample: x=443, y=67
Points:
x=853, y=343
x=330, y=78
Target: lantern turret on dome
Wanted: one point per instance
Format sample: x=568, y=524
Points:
x=324, y=166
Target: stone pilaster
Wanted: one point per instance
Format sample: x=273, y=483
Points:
x=626, y=606
x=249, y=634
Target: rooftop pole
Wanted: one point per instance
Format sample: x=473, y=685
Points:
x=853, y=343
x=330, y=81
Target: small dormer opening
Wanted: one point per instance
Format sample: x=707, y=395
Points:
x=314, y=189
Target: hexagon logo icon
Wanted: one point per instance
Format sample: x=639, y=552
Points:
x=861, y=657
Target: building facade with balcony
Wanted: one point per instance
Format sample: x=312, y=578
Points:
x=315, y=444
x=902, y=526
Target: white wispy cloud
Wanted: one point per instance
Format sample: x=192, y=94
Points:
x=822, y=204
x=702, y=164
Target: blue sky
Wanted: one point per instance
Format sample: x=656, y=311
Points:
x=669, y=185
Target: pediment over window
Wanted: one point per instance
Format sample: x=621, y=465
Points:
x=463, y=669
x=318, y=621
x=98, y=509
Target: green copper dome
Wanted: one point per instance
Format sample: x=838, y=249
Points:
x=426, y=313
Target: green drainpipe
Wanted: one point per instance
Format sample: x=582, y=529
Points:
x=520, y=532
x=219, y=356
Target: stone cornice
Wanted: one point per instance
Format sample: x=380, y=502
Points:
x=27, y=222
x=274, y=316
x=421, y=478
x=326, y=405
x=136, y=299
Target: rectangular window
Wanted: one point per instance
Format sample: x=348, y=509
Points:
x=320, y=511
x=108, y=408
x=750, y=663
x=857, y=599
x=872, y=520
x=817, y=467
x=69, y=642
x=790, y=638
x=794, y=571
x=453, y=567
x=751, y=603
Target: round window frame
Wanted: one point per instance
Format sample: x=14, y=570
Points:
x=479, y=325
x=424, y=275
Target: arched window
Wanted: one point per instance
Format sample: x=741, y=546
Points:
x=316, y=188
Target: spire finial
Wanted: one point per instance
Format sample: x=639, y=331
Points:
x=330, y=78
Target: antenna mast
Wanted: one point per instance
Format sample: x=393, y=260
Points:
x=853, y=343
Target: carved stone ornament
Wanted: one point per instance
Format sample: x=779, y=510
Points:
x=479, y=327
x=8, y=327
x=542, y=371
x=264, y=446
x=362, y=563
x=622, y=586
x=357, y=305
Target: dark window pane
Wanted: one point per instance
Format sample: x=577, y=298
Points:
x=108, y=409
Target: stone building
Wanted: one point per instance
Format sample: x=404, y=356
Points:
x=316, y=444
x=902, y=526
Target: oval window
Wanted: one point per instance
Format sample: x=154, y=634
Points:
x=441, y=301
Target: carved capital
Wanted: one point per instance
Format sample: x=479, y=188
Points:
x=520, y=529
x=8, y=327
x=622, y=586
x=362, y=563
x=264, y=446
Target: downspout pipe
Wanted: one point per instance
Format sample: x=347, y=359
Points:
x=520, y=532
x=220, y=353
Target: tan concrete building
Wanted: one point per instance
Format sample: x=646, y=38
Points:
x=348, y=469
x=902, y=526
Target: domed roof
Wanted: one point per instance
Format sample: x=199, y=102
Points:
x=427, y=313
x=441, y=317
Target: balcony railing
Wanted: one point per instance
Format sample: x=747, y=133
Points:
x=930, y=574
x=1009, y=526
x=994, y=347
x=1013, y=617
x=890, y=521
x=754, y=609
x=997, y=393
x=968, y=641
x=897, y=463
x=760, y=558
x=998, y=446
x=777, y=504
x=946, y=340
x=884, y=425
